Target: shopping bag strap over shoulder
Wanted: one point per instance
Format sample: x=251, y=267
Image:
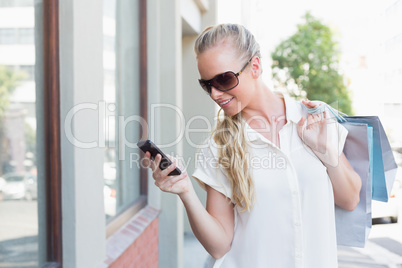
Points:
x=321, y=108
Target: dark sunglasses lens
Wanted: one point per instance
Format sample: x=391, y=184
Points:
x=225, y=81
x=206, y=86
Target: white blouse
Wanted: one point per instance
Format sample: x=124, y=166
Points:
x=292, y=223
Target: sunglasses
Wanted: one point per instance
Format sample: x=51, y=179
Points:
x=222, y=82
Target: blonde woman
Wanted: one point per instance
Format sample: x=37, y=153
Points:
x=268, y=168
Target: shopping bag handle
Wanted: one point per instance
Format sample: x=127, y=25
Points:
x=320, y=108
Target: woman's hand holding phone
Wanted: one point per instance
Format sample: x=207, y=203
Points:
x=178, y=184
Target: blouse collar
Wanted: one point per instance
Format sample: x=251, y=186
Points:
x=293, y=114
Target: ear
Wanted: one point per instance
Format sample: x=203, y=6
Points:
x=256, y=67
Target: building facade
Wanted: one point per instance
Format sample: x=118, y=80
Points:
x=95, y=79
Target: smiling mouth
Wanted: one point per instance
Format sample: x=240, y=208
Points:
x=225, y=102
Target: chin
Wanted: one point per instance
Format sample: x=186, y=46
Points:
x=231, y=112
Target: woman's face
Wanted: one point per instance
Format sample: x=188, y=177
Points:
x=220, y=59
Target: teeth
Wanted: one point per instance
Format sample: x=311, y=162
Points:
x=223, y=103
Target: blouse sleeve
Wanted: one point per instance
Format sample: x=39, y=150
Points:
x=209, y=172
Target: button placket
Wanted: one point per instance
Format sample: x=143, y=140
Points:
x=296, y=216
x=295, y=195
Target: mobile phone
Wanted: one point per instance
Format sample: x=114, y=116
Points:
x=149, y=146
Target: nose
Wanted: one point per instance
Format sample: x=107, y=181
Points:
x=215, y=94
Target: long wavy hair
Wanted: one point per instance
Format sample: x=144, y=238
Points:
x=229, y=133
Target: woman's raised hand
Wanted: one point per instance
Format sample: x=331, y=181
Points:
x=179, y=184
x=319, y=134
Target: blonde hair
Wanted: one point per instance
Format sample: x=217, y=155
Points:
x=229, y=132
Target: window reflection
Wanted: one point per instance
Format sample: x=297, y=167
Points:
x=109, y=67
x=16, y=36
x=18, y=173
x=122, y=101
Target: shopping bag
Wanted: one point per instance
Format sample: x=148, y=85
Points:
x=383, y=162
x=384, y=165
x=353, y=227
x=369, y=153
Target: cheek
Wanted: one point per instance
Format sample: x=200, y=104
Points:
x=242, y=95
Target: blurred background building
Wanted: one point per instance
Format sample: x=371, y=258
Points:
x=115, y=57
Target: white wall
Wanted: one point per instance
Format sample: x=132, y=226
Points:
x=81, y=81
x=198, y=108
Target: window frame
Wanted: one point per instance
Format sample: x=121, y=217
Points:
x=52, y=122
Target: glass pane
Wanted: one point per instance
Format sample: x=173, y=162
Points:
x=18, y=172
x=26, y=36
x=8, y=36
x=16, y=3
x=109, y=78
x=121, y=96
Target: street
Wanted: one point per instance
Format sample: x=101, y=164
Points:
x=18, y=234
x=384, y=248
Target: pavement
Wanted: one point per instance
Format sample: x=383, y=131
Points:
x=374, y=255
x=194, y=253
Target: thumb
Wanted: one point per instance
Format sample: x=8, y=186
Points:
x=301, y=122
x=300, y=126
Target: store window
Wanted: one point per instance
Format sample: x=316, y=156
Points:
x=16, y=3
x=8, y=36
x=23, y=73
x=25, y=35
x=13, y=36
x=28, y=72
x=18, y=131
x=121, y=62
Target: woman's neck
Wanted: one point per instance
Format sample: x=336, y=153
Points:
x=266, y=105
